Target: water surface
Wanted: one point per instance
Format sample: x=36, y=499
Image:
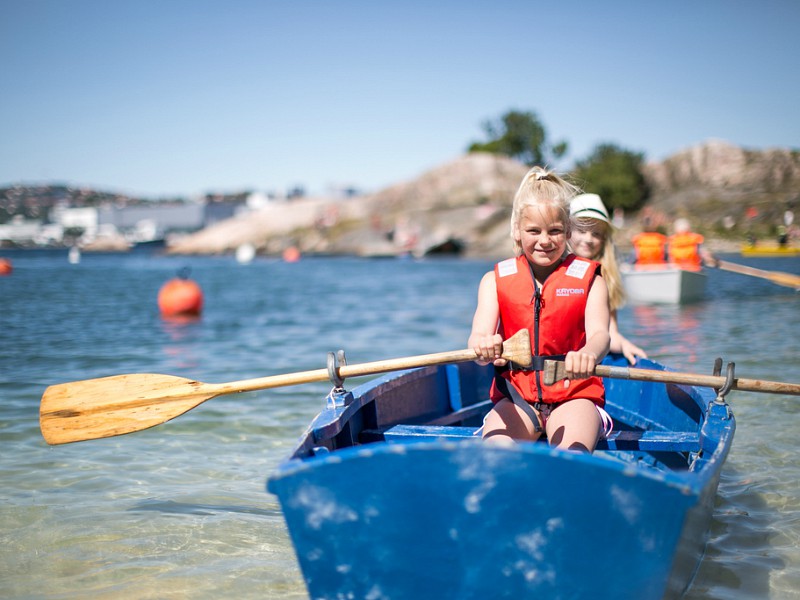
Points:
x=181, y=510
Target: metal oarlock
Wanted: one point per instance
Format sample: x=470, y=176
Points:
x=334, y=362
x=729, y=380
x=338, y=396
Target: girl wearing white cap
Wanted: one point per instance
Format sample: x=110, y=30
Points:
x=591, y=238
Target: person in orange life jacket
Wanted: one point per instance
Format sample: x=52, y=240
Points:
x=563, y=301
x=591, y=237
x=649, y=246
x=685, y=248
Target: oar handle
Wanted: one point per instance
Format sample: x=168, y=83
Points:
x=517, y=348
x=554, y=371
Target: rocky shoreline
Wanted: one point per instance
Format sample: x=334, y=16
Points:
x=463, y=207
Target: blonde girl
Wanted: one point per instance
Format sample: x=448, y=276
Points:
x=563, y=302
x=591, y=237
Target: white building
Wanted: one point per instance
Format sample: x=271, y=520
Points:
x=85, y=218
x=19, y=230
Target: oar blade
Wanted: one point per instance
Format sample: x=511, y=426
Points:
x=776, y=277
x=109, y=406
x=787, y=279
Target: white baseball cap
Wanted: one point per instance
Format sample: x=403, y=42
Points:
x=590, y=206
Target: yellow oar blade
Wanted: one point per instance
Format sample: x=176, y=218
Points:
x=776, y=277
x=98, y=408
x=109, y=406
x=786, y=279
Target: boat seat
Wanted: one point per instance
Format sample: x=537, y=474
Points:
x=647, y=441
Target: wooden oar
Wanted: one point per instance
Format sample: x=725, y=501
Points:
x=554, y=371
x=109, y=406
x=778, y=277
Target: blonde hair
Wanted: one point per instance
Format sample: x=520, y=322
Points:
x=542, y=188
x=607, y=257
x=681, y=225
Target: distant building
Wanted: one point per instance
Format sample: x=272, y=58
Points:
x=214, y=212
x=19, y=230
x=154, y=220
x=85, y=219
x=49, y=235
x=137, y=222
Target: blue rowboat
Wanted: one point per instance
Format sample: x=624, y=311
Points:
x=389, y=494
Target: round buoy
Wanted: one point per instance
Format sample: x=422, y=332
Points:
x=180, y=297
x=245, y=254
x=291, y=254
x=5, y=266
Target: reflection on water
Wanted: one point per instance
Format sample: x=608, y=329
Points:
x=180, y=336
x=667, y=330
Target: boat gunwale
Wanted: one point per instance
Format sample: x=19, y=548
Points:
x=688, y=482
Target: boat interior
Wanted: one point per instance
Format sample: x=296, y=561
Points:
x=660, y=425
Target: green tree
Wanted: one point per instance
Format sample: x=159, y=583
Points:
x=615, y=174
x=519, y=135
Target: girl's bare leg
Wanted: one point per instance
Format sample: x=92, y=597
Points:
x=575, y=425
x=507, y=422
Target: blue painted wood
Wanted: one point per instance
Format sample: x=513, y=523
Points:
x=649, y=441
x=437, y=513
x=454, y=387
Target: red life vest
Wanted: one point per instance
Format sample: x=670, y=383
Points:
x=649, y=248
x=554, y=316
x=683, y=250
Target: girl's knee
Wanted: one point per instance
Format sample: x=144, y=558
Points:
x=506, y=422
x=575, y=426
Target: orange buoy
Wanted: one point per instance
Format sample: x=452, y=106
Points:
x=291, y=254
x=180, y=297
x=5, y=266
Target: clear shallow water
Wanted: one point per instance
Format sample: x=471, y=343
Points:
x=181, y=510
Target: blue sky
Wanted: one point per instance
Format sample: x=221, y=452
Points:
x=176, y=97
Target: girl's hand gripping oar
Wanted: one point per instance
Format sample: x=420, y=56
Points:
x=554, y=371
x=109, y=406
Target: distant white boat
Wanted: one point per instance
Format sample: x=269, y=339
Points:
x=663, y=285
x=74, y=255
x=245, y=253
